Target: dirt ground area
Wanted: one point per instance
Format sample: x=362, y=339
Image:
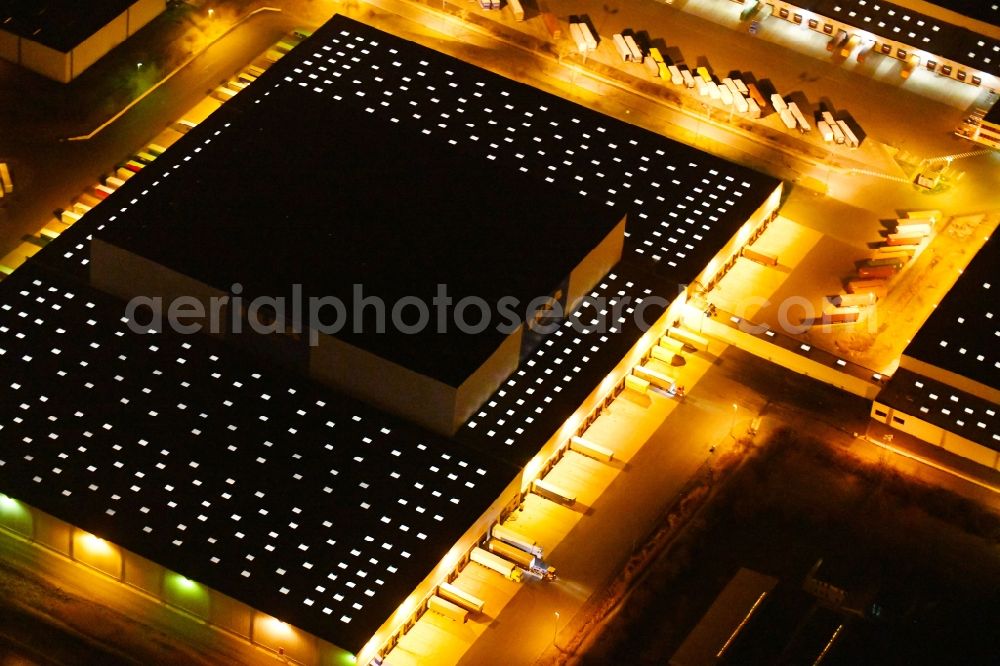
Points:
x=925, y=556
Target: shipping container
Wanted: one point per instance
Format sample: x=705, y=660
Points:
x=778, y=102
x=516, y=9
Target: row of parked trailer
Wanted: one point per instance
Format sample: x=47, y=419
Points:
x=122, y=172
x=582, y=35
x=874, y=273
x=744, y=97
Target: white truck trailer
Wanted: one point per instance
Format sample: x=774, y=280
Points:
x=528, y=562
x=634, y=48
x=516, y=539
x=506, y=568
x=799, y=118
x=577, y=34
x=624, y=52
x=675, y=75
x=825, y=131
x=849, y=137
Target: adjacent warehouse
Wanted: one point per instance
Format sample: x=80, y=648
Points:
x=60, y=39
x=947, y=388
x=368, y=160
x=896, y=31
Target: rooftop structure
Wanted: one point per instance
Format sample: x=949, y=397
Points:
x=895, y=23
x=61, y=38
x=987, y=11
x=309, y=506
x=947, y=388
x=687, y=212
x=59, y=24
x=480, y=151
x=962, y=334
x=941, y=404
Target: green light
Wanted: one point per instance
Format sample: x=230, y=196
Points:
x=183, y=584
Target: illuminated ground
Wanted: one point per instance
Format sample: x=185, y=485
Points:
x=917, y=552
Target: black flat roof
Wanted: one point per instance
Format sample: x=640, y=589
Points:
x=943, y=405
x=384, y=95
x=987, y=11
x=291, y=187
x=993, y=115
x=901, y=24
x=58, y=24
x=306, y=505
x=962, y=335
x=566, y=367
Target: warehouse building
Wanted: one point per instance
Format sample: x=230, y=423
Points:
x=946, y=390
x=967, y=54
x=60, y=39
x=252, y=449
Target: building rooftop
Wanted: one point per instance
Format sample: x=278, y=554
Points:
x=962, y=335
x=993, y=115
x=58, y=24
x=561, y=372
x=987, y=11
x=904, y=25
x=682, y=204
x=299, y=502
x=943, y=405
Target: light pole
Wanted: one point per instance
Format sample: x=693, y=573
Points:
x=555, y=627
x=732, y=424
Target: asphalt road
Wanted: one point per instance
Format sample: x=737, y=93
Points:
x=48, y=175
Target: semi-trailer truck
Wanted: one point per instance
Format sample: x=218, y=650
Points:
x=633, y=46
x=528, y=562
x=799, y=118
x=855, y=299
x=516, y=539
x=624, y=52
x=576, y=32
x=849, y=137
x=675, y=75
x=879, y=271
x=506, y=568
x=825, y=131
